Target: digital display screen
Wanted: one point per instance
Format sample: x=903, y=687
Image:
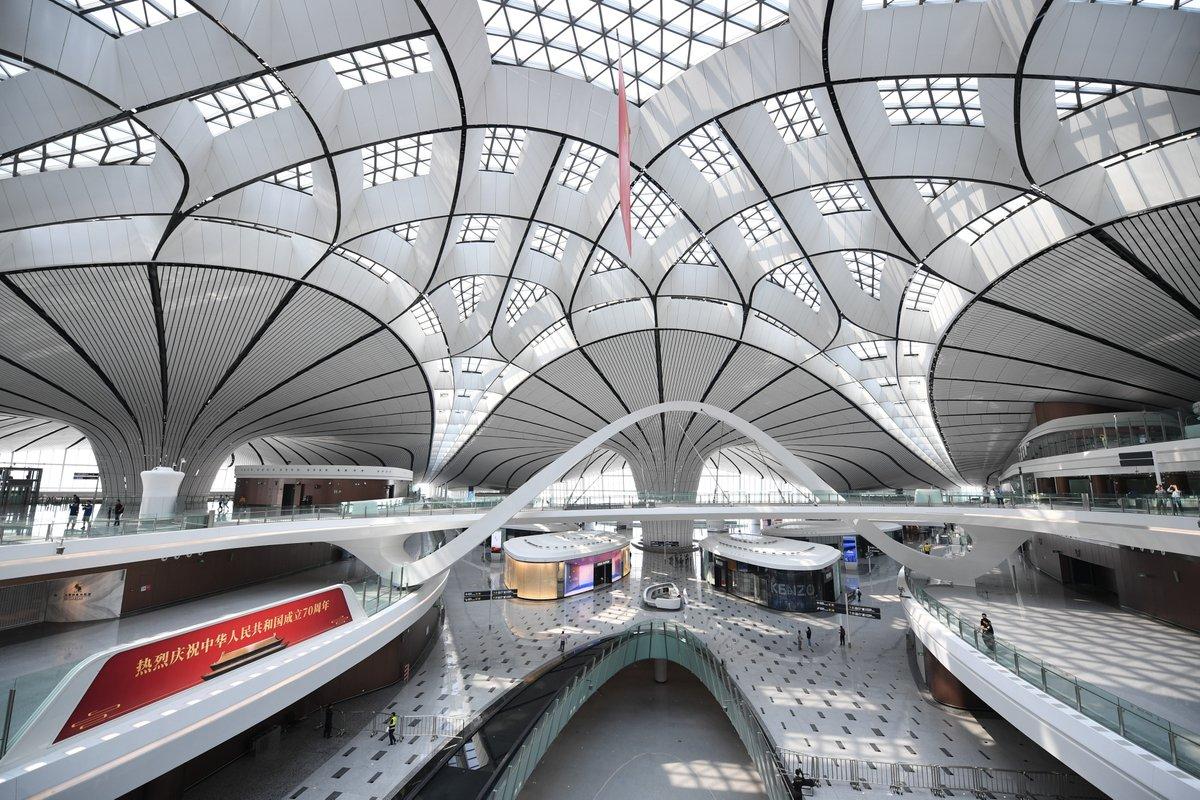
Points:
x=850, y=549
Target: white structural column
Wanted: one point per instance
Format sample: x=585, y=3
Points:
x=797, y=471
x=677, y=480
x=160, y=487
x=990, y=546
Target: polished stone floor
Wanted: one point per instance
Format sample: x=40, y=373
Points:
x=635, y=737
x=1149, y=663
x=860, y=701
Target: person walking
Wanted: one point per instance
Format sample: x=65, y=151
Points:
x=1176, y=500
x=562, y=644
x=800, y=641
x=842, y=635
x=118, y=510
x=88, y=508
x=808, y=636
x=391, y=728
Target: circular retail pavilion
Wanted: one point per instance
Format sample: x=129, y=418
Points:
x=553, y=565
x=785, y=574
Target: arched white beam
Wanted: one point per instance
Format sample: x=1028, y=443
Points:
x=797, y=471
x=987, y=551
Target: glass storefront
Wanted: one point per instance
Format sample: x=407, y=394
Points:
x=555, y=579
x=1122, y=431
x=785, y=590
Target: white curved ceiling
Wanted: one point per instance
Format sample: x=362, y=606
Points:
x=879, y=230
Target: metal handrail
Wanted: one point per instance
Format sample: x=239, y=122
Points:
x=1163, y=738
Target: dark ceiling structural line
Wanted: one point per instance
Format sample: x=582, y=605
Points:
x=19, y=293
x=831, y=88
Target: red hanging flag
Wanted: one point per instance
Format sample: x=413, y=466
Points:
x=623, y=170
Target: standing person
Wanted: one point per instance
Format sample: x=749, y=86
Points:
x=808, y=636
x=391, y=725
x=842, y=635
x=72, y=512
x=118, y=510
x=1176, y=499
x=562, y=644
x=88, y=507
x=1160, y=499
x=800, y=641
x=989, y=633
x=110, y=514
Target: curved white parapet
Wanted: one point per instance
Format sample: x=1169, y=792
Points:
x=663, y=596
x=118, y=756
x=160, y=488
x=1110, y=762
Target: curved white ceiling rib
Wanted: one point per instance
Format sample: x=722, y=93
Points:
x=358, y=237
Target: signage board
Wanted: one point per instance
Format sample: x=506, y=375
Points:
x=489, y=594
x=87, y=476
x=869, y=612
x=150, y=671
x=1137, y=458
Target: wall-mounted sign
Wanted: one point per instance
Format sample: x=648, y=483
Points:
x=86, y=597
x=87, y=476
x=150, y=671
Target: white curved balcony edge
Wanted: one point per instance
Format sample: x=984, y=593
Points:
x=386, y=534
x=1181, y=455
x=1113, y=764
x=118, y=756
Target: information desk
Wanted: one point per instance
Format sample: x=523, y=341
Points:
x=555, y=565
x=784, y=574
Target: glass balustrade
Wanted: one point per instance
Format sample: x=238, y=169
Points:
x=1164, y=739
x=366, y=509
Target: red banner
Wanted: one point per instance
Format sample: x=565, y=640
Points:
x=623, y=170
x=149, y=672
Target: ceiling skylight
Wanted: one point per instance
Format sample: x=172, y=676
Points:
x=866, y=267
x=652, y=208
x=298, y=178
x=757, y=223
x=931, y=101
x=467, y=293
x=580, y=167
x=656, y=39
x=502, y=149
x=922, y=290
x=123, y=142
x=119, y=17
x=795, y=115
x=479, y=228
x=708, y=151
x=794, y=277
x=382, y=62
x=396, y=159
x=227, y=108
x=834, y=198
x=549, y=240
x=524, y=295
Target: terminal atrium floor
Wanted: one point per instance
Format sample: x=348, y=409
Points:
x=637, y=737
x=1148, y=663
x=858, y=702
